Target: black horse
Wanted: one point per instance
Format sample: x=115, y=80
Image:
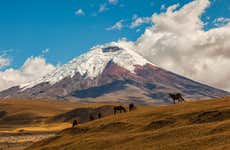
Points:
x=91, y=117
x=75, y=123
x=119, y=108
x=99, y=115
x=132, y=107
x=176, y=97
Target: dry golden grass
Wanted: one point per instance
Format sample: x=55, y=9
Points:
x=197, y=125
x=24, y=121
x=31, y=115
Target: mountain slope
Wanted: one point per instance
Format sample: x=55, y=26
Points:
x=108, y=69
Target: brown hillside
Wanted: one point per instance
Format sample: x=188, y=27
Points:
x=197, y=125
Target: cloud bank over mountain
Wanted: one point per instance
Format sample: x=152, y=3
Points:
x=33, y=68
x=178, y=42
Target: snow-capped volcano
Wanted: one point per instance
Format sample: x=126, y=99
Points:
x=112, y=72
x=92, y=63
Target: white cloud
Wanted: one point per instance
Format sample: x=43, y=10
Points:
x=102, y=8
x=135, y=16
x=139, y=21
x=32, y=69
x=138, y=30
x=221, y=21
x=117, y=26
x=45, y=51
x=114, y=2
x=4, y=59
x=80, y=12
x=163, y=7
x=177, y=42
x=4, y=62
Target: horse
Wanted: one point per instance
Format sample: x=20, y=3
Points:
x=99, y=115
x=91, y=117
x=75, y=123
x=132, y=107
x=119, y=108
x=176, y=96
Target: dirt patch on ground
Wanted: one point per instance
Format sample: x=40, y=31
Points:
x=160, y=123
x=18, y=142
x=209, y=116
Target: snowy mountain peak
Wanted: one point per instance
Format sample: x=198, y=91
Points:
x=92, y=63
x=112, y=71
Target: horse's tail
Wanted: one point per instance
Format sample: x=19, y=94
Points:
x=182, y=98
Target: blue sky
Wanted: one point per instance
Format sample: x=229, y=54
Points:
x=27, y=27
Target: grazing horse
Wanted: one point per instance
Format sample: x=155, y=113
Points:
x=99, y=115
x=75, y=123
x=91, y=117
x=132, y=107
x=176, y=96
x=119, y=108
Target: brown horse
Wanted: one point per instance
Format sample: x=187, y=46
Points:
x=176, y=97
x=99, y=115
x=119, y=108
x=75, y=123
x=91, y=117
x=132, y=107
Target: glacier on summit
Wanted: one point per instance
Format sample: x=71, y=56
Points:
x=92, y=63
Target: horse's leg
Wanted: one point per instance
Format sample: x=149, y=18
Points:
x=182, y=99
